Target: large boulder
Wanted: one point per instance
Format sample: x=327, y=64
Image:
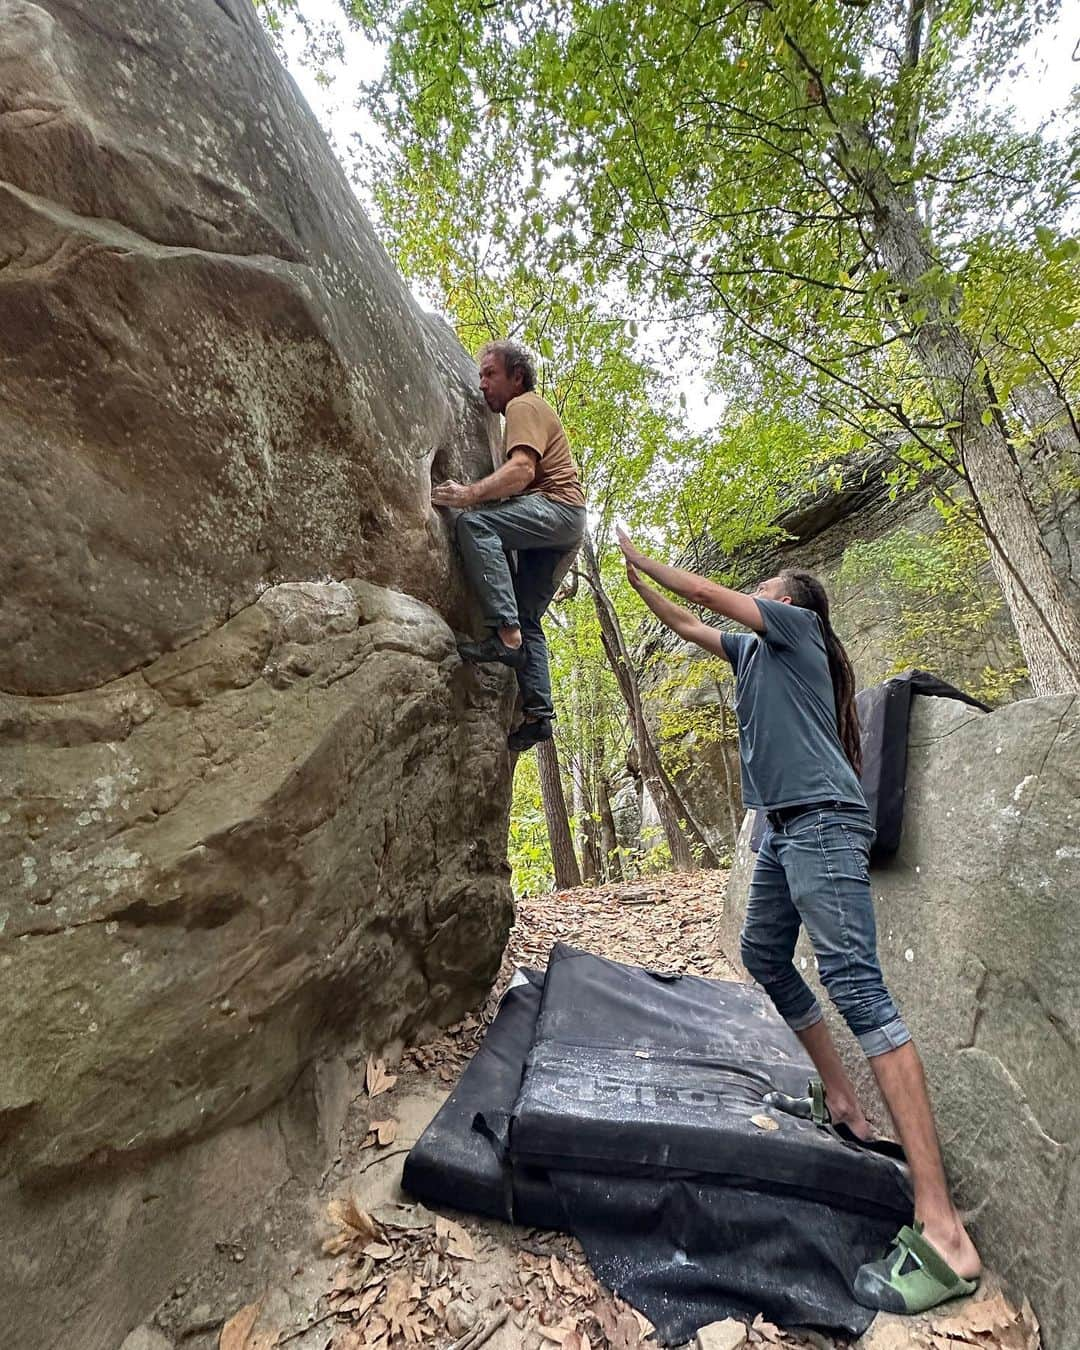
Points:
x=979, y=934
x=252, y=807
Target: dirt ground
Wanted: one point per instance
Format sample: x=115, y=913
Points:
x=357, y=1265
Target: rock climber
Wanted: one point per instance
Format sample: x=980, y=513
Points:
x=531, y=505
x=800, y=758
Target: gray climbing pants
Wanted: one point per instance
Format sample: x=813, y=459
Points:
x=544, y=534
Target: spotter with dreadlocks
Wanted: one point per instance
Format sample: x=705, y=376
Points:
x=800, y=762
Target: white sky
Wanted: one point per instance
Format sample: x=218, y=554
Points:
x=1042, y=90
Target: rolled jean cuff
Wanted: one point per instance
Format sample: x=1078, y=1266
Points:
x=881, y=1040
x=810, y=1018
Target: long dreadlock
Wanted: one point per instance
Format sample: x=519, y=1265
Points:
x=808, y=593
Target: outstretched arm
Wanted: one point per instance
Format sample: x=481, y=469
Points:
x=679, y=620
x=512, y=478
x=700, y=591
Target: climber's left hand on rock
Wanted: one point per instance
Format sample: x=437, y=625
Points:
x=452, y=494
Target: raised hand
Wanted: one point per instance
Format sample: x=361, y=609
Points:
x=631, y=553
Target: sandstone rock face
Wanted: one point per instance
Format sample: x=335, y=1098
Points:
x=979, y=934
x=252, y=806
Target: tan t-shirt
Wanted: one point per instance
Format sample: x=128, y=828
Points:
x=532, y=423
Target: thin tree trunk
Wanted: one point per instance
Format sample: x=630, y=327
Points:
x=583, y=811
x=563, y=858
x=609, y=840
x=729, y=786
x=674, y=817
x=599, y=800
x=1050, y=421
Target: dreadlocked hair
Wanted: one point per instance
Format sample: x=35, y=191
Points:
x=808, y=593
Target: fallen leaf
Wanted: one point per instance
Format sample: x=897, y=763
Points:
x=560, y=1274
x=398, y=1304
x=385, y=1131
x=235, y=1332
x=376, y=1079
x=368, y=1299
x=240, y=1332
x=376, y=1332
x=350, y=1339
x=1030, y=1324
x=977, y=1318
x=457, y=1241
x=438, y=1299
x=378, y=1251
x=765, y=1122
x=554, y=1334
x=769, y=1330
x=989, y=1314
x=348, y=1214
x=627, y=1334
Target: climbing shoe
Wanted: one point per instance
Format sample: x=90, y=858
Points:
x=529, y=734
x=813, y=1107
x=492, y=649
x=911, y=1277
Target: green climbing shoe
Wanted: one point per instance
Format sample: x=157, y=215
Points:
x=911, y=1277
x=815, y=1108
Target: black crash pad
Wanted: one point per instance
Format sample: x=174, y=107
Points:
x=615, y=1103
x=640, y=1075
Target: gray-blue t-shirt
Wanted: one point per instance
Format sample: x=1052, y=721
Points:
x=789, y=747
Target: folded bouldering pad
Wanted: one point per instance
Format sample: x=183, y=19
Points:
x=625, y=1106
x=634, y=1073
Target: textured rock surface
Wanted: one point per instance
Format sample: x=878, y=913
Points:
x=251, y=804
x=979, y=934
x=817, y=531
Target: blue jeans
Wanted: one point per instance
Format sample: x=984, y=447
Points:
x=814, y=869
x=542, y=532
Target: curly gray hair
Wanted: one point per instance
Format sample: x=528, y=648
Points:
x=514, y=357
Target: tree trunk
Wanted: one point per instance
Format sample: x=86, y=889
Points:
x=729, y=786
x=1046, y=621
x=1050, y=421
x=583, y=811
x=674, y=817
x=609, y=840
x=563, y=858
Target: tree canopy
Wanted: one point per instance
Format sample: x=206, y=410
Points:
x=829, y=209
x=823, y=192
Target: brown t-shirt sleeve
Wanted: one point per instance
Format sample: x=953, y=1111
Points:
x=525, y=426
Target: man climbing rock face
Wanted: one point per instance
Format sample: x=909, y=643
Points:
x=533, y=506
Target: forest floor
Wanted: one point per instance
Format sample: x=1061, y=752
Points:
x=375, y=1270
